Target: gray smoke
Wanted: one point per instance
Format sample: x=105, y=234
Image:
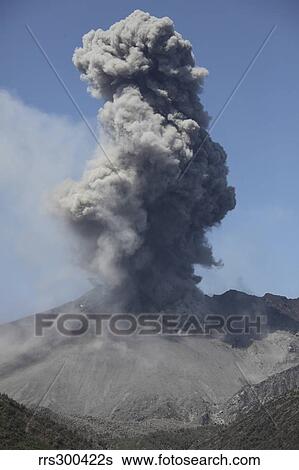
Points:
x=141, y=229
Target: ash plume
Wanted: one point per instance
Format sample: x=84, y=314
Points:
x=141, y=229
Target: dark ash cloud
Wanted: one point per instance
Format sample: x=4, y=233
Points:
x=141, y=231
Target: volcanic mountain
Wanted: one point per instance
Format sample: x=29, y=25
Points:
x=153, y=381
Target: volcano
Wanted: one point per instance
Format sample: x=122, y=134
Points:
x=155, y=381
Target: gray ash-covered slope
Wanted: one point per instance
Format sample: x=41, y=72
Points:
x=274, y=425
x=141, y=378
x=252, y=396
x=252, y=403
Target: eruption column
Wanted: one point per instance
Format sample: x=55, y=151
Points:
x=141, y=230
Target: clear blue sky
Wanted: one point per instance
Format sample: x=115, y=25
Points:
x=259, y=130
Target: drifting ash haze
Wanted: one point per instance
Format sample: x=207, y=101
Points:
x=141, y=229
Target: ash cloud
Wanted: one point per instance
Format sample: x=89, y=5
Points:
x=140, y=229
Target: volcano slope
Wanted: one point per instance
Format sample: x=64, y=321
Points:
x=153, y=382
x=271, y=426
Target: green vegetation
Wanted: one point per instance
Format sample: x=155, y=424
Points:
x=20, y=428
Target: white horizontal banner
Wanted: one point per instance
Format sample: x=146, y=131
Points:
x=146, y=459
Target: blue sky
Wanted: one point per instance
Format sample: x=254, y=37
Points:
x=44, y=140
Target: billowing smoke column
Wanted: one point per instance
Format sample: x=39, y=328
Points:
x=142, y=228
